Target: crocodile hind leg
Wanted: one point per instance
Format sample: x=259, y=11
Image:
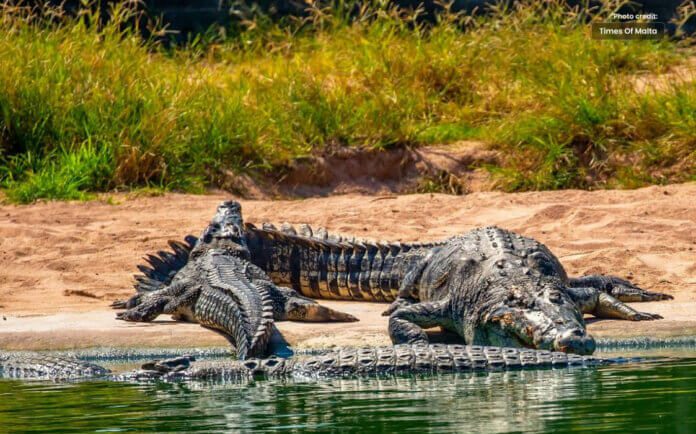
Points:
x=146, y=311
x=129, y=303
x=602, y=305
x=618, y=288
x=165, y=301
x=407, y=324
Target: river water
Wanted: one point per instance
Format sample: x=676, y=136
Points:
x=658, y=395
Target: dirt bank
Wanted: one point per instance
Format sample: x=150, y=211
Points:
x=62, y=263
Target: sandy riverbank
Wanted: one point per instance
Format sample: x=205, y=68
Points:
x=63, y=263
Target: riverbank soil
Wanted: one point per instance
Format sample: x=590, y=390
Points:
x=62, y=263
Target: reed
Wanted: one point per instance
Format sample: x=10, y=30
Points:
x=88, y=106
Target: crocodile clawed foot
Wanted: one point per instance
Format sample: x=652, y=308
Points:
x=118, y=304
x=396, y=305
x=656, y=296
x=129, y=315
x=628, y=292
x=621, y=289
x=127, y=304
x=645, y=316
x=134, y=315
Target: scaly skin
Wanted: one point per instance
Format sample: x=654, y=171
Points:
x=210, y=281
x=331, y=267
x=490, y=286
x=344, y=362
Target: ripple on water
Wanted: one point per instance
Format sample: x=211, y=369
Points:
x=654, y=396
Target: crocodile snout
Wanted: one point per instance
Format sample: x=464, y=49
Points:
x=575, y=341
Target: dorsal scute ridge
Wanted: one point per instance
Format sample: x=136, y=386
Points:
x=214, y=271
x=383, y=246
x=321, y=233
x=251, y=299
x=162, y=266
x=263, y=331
x=288, y=229
x=305, y=230
x=329, y=241
x=335, y=238
x=371, y=245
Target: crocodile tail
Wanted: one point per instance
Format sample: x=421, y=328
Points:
x=162, y=266
x=264, y=329
x=319, y=238
x=237, y=303
x=47, y=367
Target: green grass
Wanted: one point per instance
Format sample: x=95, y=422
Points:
x=87, y=108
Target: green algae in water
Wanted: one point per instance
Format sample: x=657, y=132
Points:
x=654, y=396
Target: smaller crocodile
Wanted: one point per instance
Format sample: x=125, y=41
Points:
x=344, y=362
x=217, y=287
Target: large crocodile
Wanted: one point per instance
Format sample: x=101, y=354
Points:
x=210, y=281
x=344, y=362
x=490, y=286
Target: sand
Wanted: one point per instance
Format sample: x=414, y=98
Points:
x=62, y=263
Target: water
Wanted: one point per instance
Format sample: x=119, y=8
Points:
x=655, y=396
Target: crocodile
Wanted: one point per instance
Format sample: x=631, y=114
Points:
x=210, y=281
x=489, y=285
x=400, y=359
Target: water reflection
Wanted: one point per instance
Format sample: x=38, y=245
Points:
x=654, y=396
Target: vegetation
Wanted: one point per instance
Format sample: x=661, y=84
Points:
x=91, y=106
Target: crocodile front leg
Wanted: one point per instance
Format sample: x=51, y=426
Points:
x=618, y=288
x=603, y=305
x=407, y=324
x=400, y=302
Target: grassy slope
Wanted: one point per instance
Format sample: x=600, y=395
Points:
x=85, y=109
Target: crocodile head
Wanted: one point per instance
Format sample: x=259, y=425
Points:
x=226, y=231
x=533, y=315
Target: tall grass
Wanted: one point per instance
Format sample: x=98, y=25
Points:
x=89, y=106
